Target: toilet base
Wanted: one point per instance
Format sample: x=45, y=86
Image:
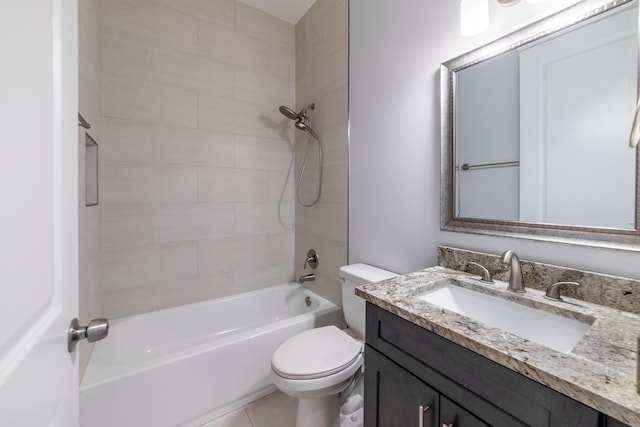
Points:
x=319, y=412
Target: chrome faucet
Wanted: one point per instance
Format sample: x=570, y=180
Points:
x=553, y=291
x=516, y=281
x=486, y=274
x=307, y=278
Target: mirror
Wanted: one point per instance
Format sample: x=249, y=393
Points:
x=535, y=130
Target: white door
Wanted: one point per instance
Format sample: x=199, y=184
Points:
x=38, y=212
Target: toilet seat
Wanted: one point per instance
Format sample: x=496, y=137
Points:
x=316, y=353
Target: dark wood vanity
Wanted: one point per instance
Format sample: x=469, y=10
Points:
x=413, y=375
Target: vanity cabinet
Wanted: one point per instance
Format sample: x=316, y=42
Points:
x=414, y=377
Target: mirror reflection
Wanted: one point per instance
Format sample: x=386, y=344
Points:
x=541, y=131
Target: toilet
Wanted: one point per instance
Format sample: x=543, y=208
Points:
x=315, y=366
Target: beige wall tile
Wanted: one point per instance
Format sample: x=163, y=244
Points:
x=281, y=248
x=126, y=226
x=321, y=80
x=282, y=187
x=336, y=148
x=126, y=141
x=322, y=77
x=174, y=29
x=252, y=279
x=178, y=223
x=231, y=47
x=178, y=145
x=266, y=154
x=250, y=185
x=180, y=292
x=125, y=184
x=126, y=59
x=332, y=108
x=140, y=267
x=126, y=99
x=232, y=254
x=262, y=218
x=259, y=88
x=174, y=184
x=282, y=63
x=260, y=25
x=194, y=151
x=237, y=185
x=177, y=107
x=242, y=118
x=220, y=12
x=192, y=72
x=127, y=302
x=128, y=18
x=216, y=184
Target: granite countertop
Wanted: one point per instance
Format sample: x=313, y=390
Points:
x=600, y=371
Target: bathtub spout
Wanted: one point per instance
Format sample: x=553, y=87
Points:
x=307, y=278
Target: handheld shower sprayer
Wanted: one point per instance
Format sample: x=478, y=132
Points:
x=301, y=119
x=303, y=122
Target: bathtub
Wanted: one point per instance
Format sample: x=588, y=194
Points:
x=187, y=365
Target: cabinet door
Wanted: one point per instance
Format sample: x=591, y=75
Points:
x=394, y=397
x=452, y=415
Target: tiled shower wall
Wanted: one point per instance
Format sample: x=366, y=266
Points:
x=197, y=191
x=89, y=293
x=322, y=77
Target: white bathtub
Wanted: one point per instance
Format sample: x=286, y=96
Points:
x=187, y=365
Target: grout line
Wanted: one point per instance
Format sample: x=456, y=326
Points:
x=244, y=408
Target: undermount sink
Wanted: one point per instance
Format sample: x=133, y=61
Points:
x=550, y=330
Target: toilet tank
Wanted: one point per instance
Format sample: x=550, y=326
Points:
x=353, y=306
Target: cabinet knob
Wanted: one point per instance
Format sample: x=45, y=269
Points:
x=447, y=424
x=421, y=411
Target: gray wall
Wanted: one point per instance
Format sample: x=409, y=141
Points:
x=395, y=52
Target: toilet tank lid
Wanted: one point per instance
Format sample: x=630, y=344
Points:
x=363, y=273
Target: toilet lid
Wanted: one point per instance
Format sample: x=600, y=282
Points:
x=315, y=353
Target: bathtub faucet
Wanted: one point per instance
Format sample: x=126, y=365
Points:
x=307, y=278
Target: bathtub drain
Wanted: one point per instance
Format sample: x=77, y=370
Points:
x=307, y=301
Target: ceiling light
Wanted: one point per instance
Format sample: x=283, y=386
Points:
x=474, y=17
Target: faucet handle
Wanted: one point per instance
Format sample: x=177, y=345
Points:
x=553, y=291
x=486, y=274
x=312, y=259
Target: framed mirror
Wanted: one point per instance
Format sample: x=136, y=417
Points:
x=535, y=131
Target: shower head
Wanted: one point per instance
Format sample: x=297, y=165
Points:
x=288, y=113
x=301, y=118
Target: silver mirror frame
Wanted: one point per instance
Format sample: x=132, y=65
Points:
x=603, y=237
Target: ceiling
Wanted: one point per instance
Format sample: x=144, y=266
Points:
x=288, y=10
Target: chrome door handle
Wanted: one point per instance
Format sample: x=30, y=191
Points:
x=96, y=330
x=421, y=411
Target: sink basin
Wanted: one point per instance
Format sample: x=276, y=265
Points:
x=550, y=330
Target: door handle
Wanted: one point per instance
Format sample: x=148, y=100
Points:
x=421, y=411
x=96, y=330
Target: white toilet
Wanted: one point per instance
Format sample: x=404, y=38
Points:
x=316, y=365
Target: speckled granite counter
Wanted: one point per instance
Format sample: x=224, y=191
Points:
x=599, y=372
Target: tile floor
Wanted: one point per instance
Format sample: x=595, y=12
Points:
x=274, y=410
